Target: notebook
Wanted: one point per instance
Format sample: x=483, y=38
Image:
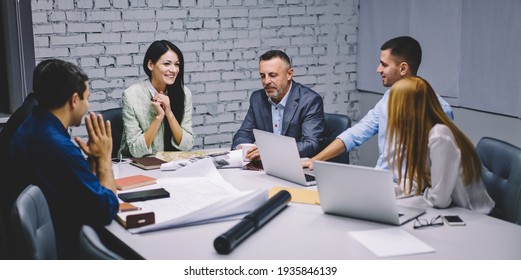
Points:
x=147, y=163
x=280, y=158
x=360, y=192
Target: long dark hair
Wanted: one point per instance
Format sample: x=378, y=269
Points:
x=175, y=91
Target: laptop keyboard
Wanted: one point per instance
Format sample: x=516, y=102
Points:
x=309, y=178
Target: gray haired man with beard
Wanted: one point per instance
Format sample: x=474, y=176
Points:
x=283, y=107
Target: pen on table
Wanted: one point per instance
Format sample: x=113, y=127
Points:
x=227, y=241
x=219, y=154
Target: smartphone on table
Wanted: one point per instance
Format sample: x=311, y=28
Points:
x=453, y=220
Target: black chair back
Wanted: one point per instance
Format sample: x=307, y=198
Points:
x=115, y=116
x=501, y=163
x=334, y=124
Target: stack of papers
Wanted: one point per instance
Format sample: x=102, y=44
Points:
x=227, y=159
x=198, y=194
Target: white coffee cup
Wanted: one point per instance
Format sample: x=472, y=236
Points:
x=245, y=149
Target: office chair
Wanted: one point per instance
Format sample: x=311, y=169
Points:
x=91, y=247
x=501, y=163
x=3, y=240
x=114, y=115
x=334, y=124
x=32, y=225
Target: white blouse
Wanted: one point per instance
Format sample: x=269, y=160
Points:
x=446, y=176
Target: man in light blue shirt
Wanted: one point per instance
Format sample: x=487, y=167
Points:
x=400, y=57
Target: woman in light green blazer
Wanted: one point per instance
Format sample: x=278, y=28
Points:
x=157, y=112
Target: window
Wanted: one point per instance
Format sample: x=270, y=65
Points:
x=470, y=48
x=17, y=59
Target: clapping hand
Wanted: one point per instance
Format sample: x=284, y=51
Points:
x=100, y=137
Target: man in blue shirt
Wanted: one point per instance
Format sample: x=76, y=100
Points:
x=283, y=107
x=400, y=57
x=78, y=191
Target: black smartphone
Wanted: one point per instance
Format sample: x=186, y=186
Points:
x=453, y=220
x=144, y=195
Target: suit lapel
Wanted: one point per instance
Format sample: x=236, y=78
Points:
x=291, y=107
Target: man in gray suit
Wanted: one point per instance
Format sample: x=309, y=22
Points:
x=283, y=107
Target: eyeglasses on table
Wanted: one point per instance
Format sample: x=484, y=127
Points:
x=421, y=223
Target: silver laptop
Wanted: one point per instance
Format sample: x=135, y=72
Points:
x=280, y=158
x=360, y=192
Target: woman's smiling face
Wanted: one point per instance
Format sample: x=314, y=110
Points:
x=165, y=70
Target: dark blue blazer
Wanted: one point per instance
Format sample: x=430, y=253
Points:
x=303, y=119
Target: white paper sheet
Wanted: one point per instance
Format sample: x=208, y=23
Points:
x=391, y=242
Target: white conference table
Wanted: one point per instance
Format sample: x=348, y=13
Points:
x=304, y=232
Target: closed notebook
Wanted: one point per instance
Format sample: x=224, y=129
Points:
x=135, y=181
x=147, y=163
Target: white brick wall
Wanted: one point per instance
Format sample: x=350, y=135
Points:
x=221, y=41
